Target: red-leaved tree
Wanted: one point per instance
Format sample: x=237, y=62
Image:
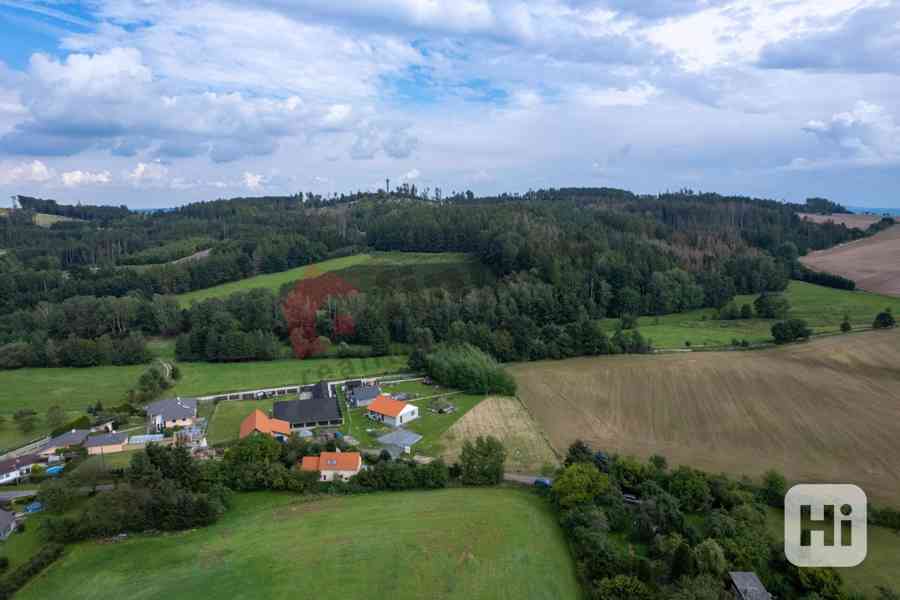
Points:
x=300, y=309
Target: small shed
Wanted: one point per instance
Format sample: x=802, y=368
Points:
x=747, y=586
x=400, y=438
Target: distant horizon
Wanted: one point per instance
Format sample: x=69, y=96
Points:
x=855, y=208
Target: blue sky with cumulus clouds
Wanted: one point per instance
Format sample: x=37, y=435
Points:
x=162, y=102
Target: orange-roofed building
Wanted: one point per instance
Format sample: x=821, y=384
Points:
x=260, y=422
x=394, y=413
x=332, y=466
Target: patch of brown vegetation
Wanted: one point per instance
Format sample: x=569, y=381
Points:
x=824, y=411
x=506, y=419
x=873, y=263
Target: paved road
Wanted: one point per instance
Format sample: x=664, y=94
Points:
x=526, y=479
x=7, y=496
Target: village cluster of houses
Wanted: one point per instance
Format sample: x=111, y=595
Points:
x=318, y=407
x=178, y=414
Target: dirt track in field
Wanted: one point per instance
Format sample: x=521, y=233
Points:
x=873, y=263
x=507, y=420
x=826, y=411
x=858, y=221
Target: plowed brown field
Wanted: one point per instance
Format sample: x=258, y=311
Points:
x=873, y=263
x=824, y=411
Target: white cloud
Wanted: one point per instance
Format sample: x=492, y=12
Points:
x=867, y=135
x=32, y=172
x=638, y=95
x=411, y=174
x=78, y=178
x=148, y=174
x=253, y=181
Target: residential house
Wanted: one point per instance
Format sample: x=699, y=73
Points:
x=16, y=468
x=317, y=407
x=746, y=586
x=259, y=422
x=65, y=440
x=333, y=466
x=363, y=395
x=106, y=443
x=401, y=438
x=171, y=413
x=7, y=524
x=393, y=413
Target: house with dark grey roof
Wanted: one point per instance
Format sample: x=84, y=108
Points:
x=75, y=437
x=106, y=443
x=7, y=524
x=317, y=407
x=171, y=413
x=363, y=395
x=746, y=586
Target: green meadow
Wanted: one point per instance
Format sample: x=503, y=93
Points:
x=462, y=543
x=823, y=309
x=364, y=271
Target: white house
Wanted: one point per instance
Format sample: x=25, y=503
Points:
x=15, y=468
x=393, y=413
x=333, y=466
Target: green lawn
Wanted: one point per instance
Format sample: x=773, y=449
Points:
x=823, y=309
x=362, y=270
x=460, y=543
x=119, y=460
x=430, y=426
x=226, y=420
x=878, y=569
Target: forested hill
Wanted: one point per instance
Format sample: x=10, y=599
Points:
x=562, y=258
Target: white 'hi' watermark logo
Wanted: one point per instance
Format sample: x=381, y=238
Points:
x=825, y=525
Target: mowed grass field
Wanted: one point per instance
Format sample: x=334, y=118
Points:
x=361, y=270
x=873, y=262
x=447, y=544
x=821, y=307
x=824, y=411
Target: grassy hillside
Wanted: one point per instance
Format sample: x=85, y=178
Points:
x=362, y=270
x=823, y=308
x=825, y=410
x=76, y=389
x=456, y=543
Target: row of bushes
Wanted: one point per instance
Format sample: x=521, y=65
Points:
x=40, y=561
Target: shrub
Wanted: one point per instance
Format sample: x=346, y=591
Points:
x=790, y=331
x=482, y=463
x=771, y=306
x=579, y=483
x=465, y=367
x=884, y=320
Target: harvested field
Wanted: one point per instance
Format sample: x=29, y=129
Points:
x=507, y=420
x=857, y=221
x=873, y=263
x=823, y=411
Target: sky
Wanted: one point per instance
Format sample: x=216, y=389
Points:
x=155, y=103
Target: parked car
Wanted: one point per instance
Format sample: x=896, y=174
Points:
x=542, y=482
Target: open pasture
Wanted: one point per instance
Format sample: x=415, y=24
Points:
x=454, y=543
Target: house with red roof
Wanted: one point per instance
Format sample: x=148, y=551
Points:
x=259, y=422
x=333, y=466
x=393, y=413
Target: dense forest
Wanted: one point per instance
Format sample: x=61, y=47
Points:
x=86, y=291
